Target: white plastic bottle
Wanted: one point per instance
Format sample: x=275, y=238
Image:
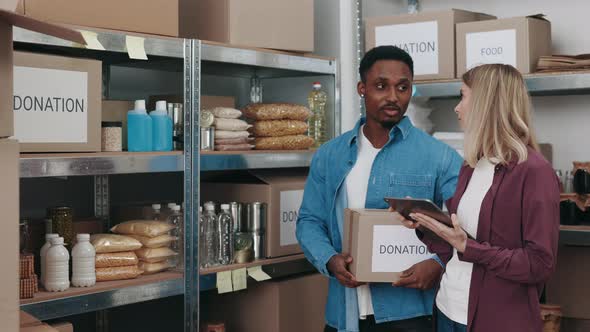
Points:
x=83, y=259
x=57, y=266
x=43, y=252
x=156, y=212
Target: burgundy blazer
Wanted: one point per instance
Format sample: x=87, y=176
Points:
x=515, y=249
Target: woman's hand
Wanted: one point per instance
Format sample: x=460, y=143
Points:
x=408, y=223
x=455, y=235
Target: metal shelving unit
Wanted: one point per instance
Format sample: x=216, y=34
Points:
x=108, y=295
x=89, y=164
x=574, y=235
x=186, y=57
x=546, y=84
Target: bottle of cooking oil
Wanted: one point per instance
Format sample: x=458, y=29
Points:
x=317, y=122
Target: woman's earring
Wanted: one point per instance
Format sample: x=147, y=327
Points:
x=362, y=96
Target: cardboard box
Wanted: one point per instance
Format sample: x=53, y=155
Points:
x=8, y=18
x=380, y=246
x=9, y=158
x=281, y=190
x=9, y=235
x=28, y=320
x=159, y=17
x=518, y=41
x=575, y=325
x=57, y=103
x=63, y=327
x=568, y=285
x=429, y=37
x=278, y=24
x=116, y=110
x=291, y=305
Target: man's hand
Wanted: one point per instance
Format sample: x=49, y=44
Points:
x=338, y=266
x=422, y=275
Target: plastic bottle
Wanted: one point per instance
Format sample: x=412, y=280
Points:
x=225, y=225
x=211, y=236
x=202, y=240
x=43, y=252
x=177, y=220
x=139, y=128
x=57, y=266
x=83, y=258
x=317, y=122
x=156, y=214
x=162, y=128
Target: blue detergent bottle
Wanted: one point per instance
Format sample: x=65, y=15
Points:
x=139, y=129
x=162, y=125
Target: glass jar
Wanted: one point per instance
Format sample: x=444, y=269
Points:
x=61, y=220
x=23, y=234
x=112, y=136
x=244, y=248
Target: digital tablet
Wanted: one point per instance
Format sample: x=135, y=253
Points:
x=405, y=206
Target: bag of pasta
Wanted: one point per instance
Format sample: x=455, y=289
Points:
x=149, y=228
x=155, y=242
x=277, y=111
x=116, y=259
x=297, y=142
x=150, y=268
x=275, y=128
x=155, y=255
x=107, y=243
x=117, y=273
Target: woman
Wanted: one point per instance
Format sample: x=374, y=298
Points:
x=505, y=212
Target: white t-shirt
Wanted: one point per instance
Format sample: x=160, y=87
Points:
x=357, y=183
x=453, y=296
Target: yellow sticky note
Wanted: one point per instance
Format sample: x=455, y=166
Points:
x=240, y=279
x=257, y=274
x=91, y=39
x=224, y=282
x=135, y=47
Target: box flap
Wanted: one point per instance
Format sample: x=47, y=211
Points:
x=41, y=27
x=539, y=16
x=9, y=5
x=281, y=176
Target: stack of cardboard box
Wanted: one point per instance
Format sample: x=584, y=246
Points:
x=446, y=44
x=9, y=159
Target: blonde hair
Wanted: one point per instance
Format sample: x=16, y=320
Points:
x=499, y=123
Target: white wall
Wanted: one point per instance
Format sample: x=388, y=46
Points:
x=563, y=121
x=335, y=36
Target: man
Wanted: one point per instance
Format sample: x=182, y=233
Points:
x=383, y=156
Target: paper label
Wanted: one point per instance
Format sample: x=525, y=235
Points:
x=50, y=105
x=290, y=204
x=396, y=248
x=91, y=39
x=420, y=40
x=257, y=274
x=239, y=279
x=224, y=282
x=490, y=47
x=136, y=47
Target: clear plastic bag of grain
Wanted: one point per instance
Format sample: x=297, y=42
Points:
x=117, y=273
x=151, y=268
x=116, y=259
x=295, y=142
x=276, y=128
x=107, y=243
x=277, y=111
